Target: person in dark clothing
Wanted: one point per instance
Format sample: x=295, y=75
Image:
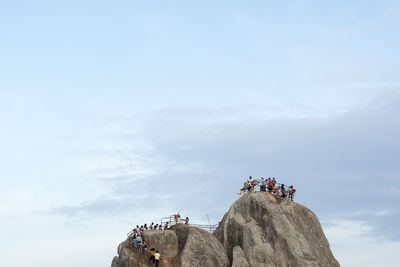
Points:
x=283, y=191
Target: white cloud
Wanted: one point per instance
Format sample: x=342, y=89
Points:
x=355, y=244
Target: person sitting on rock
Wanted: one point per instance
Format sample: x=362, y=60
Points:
x=157, y=257
x=249, y=187
x=276, y=190
x=156, y=227
x=270, y=185
x=243, y=190
x=263, y=187
x=291, y=192
x=160, y=227
x=166, y=226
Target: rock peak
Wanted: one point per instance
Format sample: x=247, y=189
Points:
x=258, y=230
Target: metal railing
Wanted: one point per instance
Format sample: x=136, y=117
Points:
x=171, y=221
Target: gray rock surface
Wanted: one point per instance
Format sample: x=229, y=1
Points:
x=166, y=242
x=273, y=231
x=199, y=248
x=239, y=258
x=183, y=246
x=259, y=230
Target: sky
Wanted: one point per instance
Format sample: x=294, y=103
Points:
x=117, y=113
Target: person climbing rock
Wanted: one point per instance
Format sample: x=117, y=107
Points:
x=157, y=257
x=152, y=252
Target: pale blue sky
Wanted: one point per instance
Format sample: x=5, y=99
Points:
x=108, y=108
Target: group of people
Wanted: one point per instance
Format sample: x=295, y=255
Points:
x=137, y=241
x=269, y=184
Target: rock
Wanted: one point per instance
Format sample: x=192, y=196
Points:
x=129, y=257
x=272, y=231
x=199, y=248
x=115, y=261
x=259, y=230
x=166, y=242
x=182, y=246
x=239, y=258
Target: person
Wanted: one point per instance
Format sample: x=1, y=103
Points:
x=291, y=192
x=156, y=227
x=243, y=190
x=157, y=257
x=166, y=226
x=144, y=247
x=250, y=180
x=137, y=228
x=152, y=252
x=176, y=217
x=152, y=226
x=187, y=220
x=139, y=242
x=263, y=187
x=145, y=227
x=283, y=191
x=133, y=239
x=270, y=185
x=273, y=181
x=275, y=191
x=160, y=227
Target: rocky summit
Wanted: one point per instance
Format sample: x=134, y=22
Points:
x=258, y=230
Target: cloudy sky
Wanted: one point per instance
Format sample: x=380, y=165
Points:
x=117, y=113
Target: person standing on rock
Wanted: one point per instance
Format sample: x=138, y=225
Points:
x=176, y=217
x=291, y=192
x=283, y=191
x=157, y=257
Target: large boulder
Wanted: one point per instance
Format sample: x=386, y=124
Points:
x=182, y=246
x=199, y=248
x=272, y=231
x=166, y=242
